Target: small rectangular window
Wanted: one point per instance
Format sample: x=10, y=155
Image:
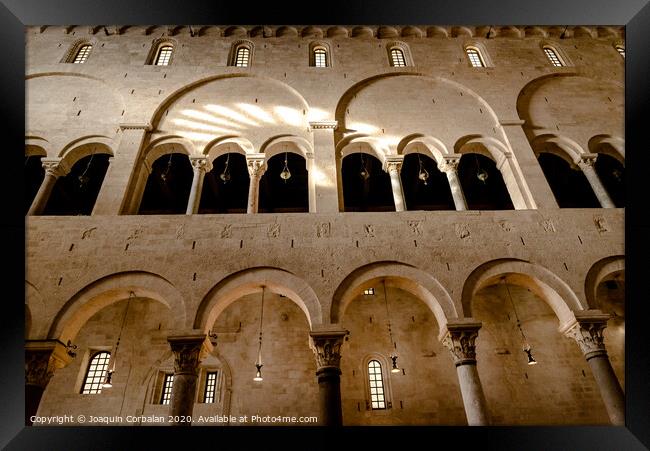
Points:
x=369, y=291
x=210, y=387
x=82, y=54
x=475, y=58
x=167, y=389
x=164, y=56
x=96, y=373
x=320, y=58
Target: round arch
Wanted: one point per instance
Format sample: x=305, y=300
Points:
x=610, y=145
x=88, y=145
x=296, y=144
x=563, y=147
x=248, y=281
x=427, y=145
x=362, y=144
x=166, y=145
x=109, y=290
x=545, y=284
x=400, y=275
x=598, y=272
x=228, y=144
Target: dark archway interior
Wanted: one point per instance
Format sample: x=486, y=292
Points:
x=488, y=194
x=373, y=193
x=570, y=186
x=433, y=193
x=230, y=193
x=612, y=175
x=34, y=175
x=284, y=196
x=76, y=193
x=168, y=186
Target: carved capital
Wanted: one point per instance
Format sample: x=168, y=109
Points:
x=323, y=125
x=201, y=164
x=188, y=352
x=256, y=167
x=587, y=331
x=587, y=160
x=327, y=347
x=460, y=339
x=42, y=359
x=394, y=164
x=55, y=167
x=449, y=164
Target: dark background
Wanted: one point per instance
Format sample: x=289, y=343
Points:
x=635, y=14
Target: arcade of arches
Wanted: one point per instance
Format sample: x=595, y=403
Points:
x=345, y=243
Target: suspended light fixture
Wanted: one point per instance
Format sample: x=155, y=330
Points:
x=258, y=363
x=83, y=178
x=617, y=174
x=165, y=174
x=363, y=172
x=481, y=173
x=423, y=174
x=285, y=174
x=225, y=175
x=393, y=357
x=108, y=383
x=527, y=349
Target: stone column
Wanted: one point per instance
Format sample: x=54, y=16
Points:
x=460, y=339
x=200, y=166
x=256, y=169
x=449, y=165
x=327, y=349
x=324, y=171
x=54, y=168
x=116, y=195
x=587, y=331
x=586, y=163
x=188, y=351
x=42, y=358
x=394, y=167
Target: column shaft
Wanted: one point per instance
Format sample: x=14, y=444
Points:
x=472, y=392
x=327, y=350
x=596, y=185
x=199, y=167
x=456, y=190
x=253, y=194
x=396, y=185
x=610, y=389
x=43, y=194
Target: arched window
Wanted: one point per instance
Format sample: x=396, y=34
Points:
x=376, y=385
x=75, y=194
x=397, y=57
x=425, y=186
x=366, y=186
x=164, y=55
x=82, y=54
x=553, y=56
x=284, y=195
x=475, y=57
x=225, y=187
x=620, y=49
x=483, y=184
x=320, y=57
x=96, y=373
x=241, y=56
x=168, y=186
x=567, y=182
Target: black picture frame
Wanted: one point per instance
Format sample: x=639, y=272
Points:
x=633, y=14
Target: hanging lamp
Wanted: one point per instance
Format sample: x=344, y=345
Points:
x=83, y=178
x=393, y=357
x=108, y=383
x=363, y=171
x=258, y=363
x=481, y=173
x=423, y=174
x=225, y=175
x=285, y=174
x=527, y=349
x=165, y=174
